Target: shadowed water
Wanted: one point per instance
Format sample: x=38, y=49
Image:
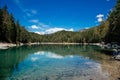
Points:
x=57, y=62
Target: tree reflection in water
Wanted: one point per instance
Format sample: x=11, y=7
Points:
x=70, y=62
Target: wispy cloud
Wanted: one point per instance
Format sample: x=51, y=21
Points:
x=28, y=12
x=40, y=24
x=41, y=33
x=43, y=25
x=33, y=11
x=42, y=28
x=34, y=21
x=18, y=3
x=34, y=27
x=100, y=17
x=38, y=27
x=52, y=30
x=56, y=29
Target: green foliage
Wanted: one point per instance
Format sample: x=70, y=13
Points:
x=11, y=31
x=113, y=34
x=108, y=31
x=85, y=36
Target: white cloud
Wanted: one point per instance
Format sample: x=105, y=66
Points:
x=29, y=12
x=34, y=27
x=42, y=28
x=18, y=3
x=34, y=21
x=100, y=17
x=56, y=29
x=52, y=30
x=43, y=25
x=34, y=11
x=86, y=27
x=41, y=33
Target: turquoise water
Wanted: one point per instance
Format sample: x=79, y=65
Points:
x=53, y=62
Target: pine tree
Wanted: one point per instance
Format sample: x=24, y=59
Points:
x=113, y=34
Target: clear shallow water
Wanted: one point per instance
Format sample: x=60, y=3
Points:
x=55, y=62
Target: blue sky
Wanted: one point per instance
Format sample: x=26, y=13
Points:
x=48, y=16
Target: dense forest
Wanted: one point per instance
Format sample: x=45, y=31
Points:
x=108, y=31
x=113, y=32
x=12, y=32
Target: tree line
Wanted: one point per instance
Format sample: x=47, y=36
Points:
x=108, y=31
x=12, y=32
x=113, y=32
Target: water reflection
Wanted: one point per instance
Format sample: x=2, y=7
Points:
x=55, y=62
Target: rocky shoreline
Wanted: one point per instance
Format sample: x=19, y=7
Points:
x=6, y=45
x=112, y=48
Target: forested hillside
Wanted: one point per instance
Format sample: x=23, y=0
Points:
x=12, y=32
x=108, y=31
x=113, y=33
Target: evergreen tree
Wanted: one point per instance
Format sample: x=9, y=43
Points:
x=113, y=34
